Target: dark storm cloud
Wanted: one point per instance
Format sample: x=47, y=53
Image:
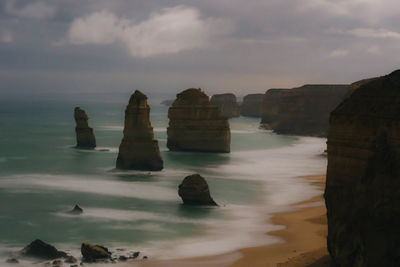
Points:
x=165, y=46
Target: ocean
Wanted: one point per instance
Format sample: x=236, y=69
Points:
x=42, y=176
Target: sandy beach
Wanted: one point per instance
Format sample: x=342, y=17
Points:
x=304, y=241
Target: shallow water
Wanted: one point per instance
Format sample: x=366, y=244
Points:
x=42, y=176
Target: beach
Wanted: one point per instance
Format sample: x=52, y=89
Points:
x=303, y=240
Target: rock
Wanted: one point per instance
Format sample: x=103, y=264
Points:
x=227, y=103
x=91, y=253
x=84, y=134
x=12, y=260
x=270, y=107
x=42, y=250
x=122, y=258
x=145, y=257
x=135, y=255
x=57, y=262
x=76, y=210
x=75, y=265
x=305, y=110
x=194, y=190
x=251, y=105
x=167, y=102
x=70, y=259
x=197, y=125
x=138, y=149
x=362, y=192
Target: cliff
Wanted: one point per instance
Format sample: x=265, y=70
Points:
x=227, y=103
x=251, y=105
x=84, y=134
x=305, y=110
x=270, y=107
x=138, y=149
x=363, y=187
x=197, y=125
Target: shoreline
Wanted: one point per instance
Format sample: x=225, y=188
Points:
x=303, y=236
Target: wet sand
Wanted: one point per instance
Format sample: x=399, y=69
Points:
x=304, y=241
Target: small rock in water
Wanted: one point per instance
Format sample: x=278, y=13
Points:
x=76, y=210
x=42, y=250
x=145, y=257
x=75, y=265
x=70, y=259
x=194, y=190
x=92, y=253
x=57, y=263
x=135, y=255
x=12, y=260
x=122, y=258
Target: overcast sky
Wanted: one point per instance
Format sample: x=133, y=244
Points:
x=102, y=47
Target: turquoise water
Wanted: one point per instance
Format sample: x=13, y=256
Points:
x=42, y=176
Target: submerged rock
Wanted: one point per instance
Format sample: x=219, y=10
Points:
x=363, y=176
x=251, y=105
x=42, y=250
x=194, y=190
x=197, y=125
x=227, y=103
x=91, y=253
x=12, y=260
x=84, y=134
x=76, y=210
x=138, y=149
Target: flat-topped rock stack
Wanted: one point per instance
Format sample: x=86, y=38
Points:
x=305, y=110
x=84, y=134
x=227, y=103
x=251, y=105
x=138, y=149
x=363, y=177
x=270, y=107
x=197, y=125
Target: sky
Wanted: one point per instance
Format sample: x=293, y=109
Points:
x=88, y=48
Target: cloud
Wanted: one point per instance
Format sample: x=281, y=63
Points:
x=169, y=31
x=375, y=33
x=33, y=10
x=6, y=37
x=374, y=50
x=338, y=53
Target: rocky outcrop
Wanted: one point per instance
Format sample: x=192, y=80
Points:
x=194, y=190
x=251, y=105
x=270, y=107
x=92, y=253
x=76, y=210
x=227, y=103
x=138, y=149
x=363, y=176
x=84, y=134
x=305, y=110
x=42, y=250
x=197, y=125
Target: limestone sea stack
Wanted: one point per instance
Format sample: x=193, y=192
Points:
x=227, y=103
x=305, y=110
x=138, y=149
x=197, y=125
x=363, y=176
x=251, y=105
x=84, y=134
x=194, y=190
x=270, y=107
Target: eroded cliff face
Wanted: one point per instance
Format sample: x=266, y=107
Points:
x=305, y=110
x=197, y=125
x=84, y=134
x=227, y=103
x=138, y=149
x=363, y=176
x=251, y=105
x=270, y=107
